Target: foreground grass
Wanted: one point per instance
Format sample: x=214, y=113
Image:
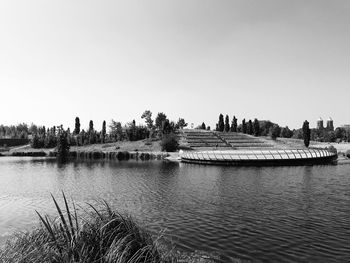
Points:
x=102, y=236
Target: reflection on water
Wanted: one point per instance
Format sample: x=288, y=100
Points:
x=270, y=214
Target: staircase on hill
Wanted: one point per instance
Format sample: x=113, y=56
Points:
x=242, y=141
x=204, y=139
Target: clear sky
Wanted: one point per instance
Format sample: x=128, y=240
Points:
x=285, y=61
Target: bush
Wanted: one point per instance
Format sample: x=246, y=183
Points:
x=347, y=153
x=105, y=236
x=332, y=149
x=170, y=143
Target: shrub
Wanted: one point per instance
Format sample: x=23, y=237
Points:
x=347, y=153
x=105, y=236
x=332, y=149
x=170, y=143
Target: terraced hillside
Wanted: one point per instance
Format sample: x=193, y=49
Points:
x=242, y=141
x=201, y=139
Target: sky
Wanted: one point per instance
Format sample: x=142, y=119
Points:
x=284, y=61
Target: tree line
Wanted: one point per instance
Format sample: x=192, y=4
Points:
x=160, y=128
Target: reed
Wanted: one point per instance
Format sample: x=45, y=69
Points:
x=100, y=236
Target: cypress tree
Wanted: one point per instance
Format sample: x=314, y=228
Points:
x=91, y=126
x=306, y=133
x=221, y=123
x=103, y=133
x=77, y=126
x=234, y=124
x=244, y=126
x=203, y=127
x=91, y=134
x=250, y=127
x=227, y=124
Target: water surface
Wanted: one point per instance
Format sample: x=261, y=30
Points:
x=283, y=214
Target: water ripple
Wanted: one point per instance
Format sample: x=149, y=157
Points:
x=272, y=214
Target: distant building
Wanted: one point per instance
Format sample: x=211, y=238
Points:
x=320, y=124
x=330, y=126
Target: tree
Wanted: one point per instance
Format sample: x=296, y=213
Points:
x=265, y=127
x=340, y=134
x=250, y=127
x=181, y=124
x=227, y=124
x=91, y=126
x=203, y=127
x=306, y=133
x=91, y=133
x=244, y=126
x=147, y=115
x=62, y=146
x=286, y=132
x=256, y=127
x=33, y=129
x=168, y=127
x=103, y=132
x=77, y=126
x=234, y=124
x=275, y=131
x=298, y=134
x=160, y=120
x=116, y=130
x=221, y=124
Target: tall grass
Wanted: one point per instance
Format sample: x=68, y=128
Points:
x=102, y=236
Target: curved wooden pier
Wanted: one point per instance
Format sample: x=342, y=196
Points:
x=260, y=157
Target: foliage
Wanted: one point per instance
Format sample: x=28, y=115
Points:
x=170, y=143
x=147, y=115
x=234, y=124
x=102, y=236
x=135, y=133
x=250, y=127
x=62, y=146
x=115, y=130
x=160, y=120
x=19, y=131
x=306, y=133
x=275, y=131
x=36, y=142
x=286, y=132
x=103, y=132
x=227, y=124
x=256, y=127
x=203, y=126
x=168, y=127
x=347, y=153
x=244, y=126
x=221, y=124
x=265, y=127
x=77, y=126
x=91, y=126
x=180, y=124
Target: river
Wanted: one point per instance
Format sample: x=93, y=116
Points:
x=282, y=214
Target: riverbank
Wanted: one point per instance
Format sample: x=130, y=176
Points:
x=138, y=150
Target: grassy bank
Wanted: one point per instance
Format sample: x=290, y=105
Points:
x=98, y=236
